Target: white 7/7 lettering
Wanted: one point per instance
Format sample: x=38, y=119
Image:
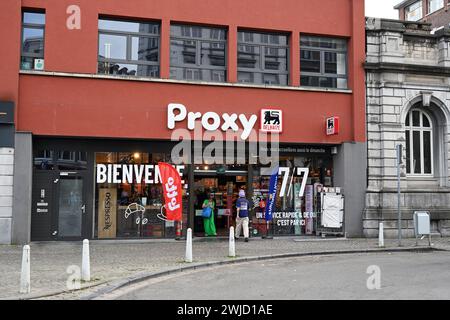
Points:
x=285, y=173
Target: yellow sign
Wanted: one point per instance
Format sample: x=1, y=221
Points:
x=107, y=213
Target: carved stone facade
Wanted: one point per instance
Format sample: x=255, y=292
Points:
x=408, y=69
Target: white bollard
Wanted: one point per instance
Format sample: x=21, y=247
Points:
x=86, y=263
x=189, y=246
x=381, y=235
x=25, y=286
x=232, y=249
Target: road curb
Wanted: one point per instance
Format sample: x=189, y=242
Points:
x=147, y=276
x=53, y=293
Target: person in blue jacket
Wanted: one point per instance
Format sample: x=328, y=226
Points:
x=242, y=220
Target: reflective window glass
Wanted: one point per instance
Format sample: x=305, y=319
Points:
x=71, y=160
x=44, y=160
x=419, y=143
x=113, y=46
x=434, y=5
x=323, y=62
x=198, y=53
x=145, y=49
x=427, y=152
x=128, y=26
x=128, y=48
x=33, y=41
x=416, y=118
x=33, y=35
x=263, y=58
x=426, y=122
x=34, y=18
x=414, y=12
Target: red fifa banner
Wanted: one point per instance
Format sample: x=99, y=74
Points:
x=171, y=182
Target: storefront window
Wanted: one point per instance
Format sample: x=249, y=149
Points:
x=134, y=210
x=293, y=214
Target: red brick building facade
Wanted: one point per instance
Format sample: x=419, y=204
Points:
x=91, y=82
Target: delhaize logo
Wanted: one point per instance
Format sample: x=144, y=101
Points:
x=272, y=120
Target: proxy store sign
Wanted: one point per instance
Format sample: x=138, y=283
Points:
x=271, y=120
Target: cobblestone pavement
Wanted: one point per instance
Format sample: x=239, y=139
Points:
x=116, y=260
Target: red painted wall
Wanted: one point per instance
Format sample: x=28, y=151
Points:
x=10, y=17
x=64, y=106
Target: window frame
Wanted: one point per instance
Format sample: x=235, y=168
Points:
x=262, y=61
x=411, y=5
x=37, y=26
x=429, y=6
x=198, y=66
x=323, y=52
x=129, y=46
x=421, y=129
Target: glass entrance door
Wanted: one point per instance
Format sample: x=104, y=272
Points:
x=71, y=206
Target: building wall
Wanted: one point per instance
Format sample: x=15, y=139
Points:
x=350, y=166
x=69, y=99
x=438, y=18
x=23, y=176
x=6, y=193
x=46, y=99
x=405, y=65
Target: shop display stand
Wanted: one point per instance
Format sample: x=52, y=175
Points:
x=324, y=231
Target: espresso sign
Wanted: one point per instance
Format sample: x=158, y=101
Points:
x=107, y=213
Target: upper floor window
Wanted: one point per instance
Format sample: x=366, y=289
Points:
x=32, y=50
x=419, y=143
x=198, y=53
x=263, y=58
x=435, y=5
x=128, y=48
x=414, y=12
x=323, y=62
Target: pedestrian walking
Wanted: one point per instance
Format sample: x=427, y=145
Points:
x=242, y=220
x=208, y=216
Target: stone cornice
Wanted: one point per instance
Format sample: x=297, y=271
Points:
x=407, y=68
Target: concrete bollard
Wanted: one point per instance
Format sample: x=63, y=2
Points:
x=86, y=263
x=381, y=235
x=189, y=246
x=25, y=285
x=232, y=248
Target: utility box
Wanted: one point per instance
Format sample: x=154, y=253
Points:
x=422, y=224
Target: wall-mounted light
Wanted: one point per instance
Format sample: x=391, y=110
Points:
x=136, y=155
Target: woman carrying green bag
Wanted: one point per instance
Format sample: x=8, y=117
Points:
x=208, y=223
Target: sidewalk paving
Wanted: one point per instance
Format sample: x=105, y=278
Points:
x=115, y=260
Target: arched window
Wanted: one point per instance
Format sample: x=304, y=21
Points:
x=419, y=143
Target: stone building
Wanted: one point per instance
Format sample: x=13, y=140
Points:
x=408, y=96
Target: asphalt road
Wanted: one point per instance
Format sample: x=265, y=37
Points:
x=403, y=276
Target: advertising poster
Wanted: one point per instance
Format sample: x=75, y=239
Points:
x=107, y=213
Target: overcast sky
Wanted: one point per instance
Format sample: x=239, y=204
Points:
x=382, y=8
